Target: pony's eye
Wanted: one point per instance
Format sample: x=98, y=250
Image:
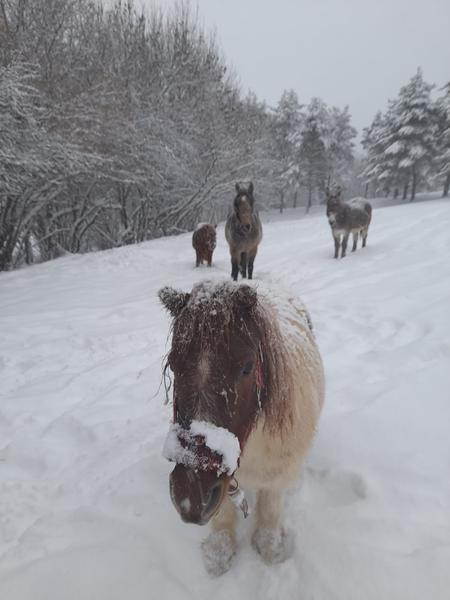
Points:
x=247, y=368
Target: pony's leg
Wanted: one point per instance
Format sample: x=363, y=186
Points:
x=244, y=264
x=269, y=539
x=234, y=267
x=337, y=243
x=355, y=240
x=197, y=261
x=364, y=236
x=219, y=547
x=344, y=243
x=209, y=258
x=251, y=260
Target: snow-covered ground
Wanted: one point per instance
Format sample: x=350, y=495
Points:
x=85, y=512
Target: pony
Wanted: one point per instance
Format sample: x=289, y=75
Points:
x=243, y=232
x=248, y=388
x=204, y=243
x=344, y=218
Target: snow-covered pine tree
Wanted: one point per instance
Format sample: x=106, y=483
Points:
x=339, y=143
x=287, y=123
x=312, y=153
x=413, y=131
x=443, y=139
x=380, y=169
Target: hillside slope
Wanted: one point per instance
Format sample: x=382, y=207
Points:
x=84, y=504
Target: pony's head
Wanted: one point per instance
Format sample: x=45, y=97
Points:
x=333, y=203
x=227, y=373
x=243, y=205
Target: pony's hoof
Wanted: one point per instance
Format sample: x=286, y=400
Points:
x=273, y=545
x=218, y=550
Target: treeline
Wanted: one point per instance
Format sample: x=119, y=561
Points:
x=315, y=148
x=408, y=146
x=118, y=126
x=115, y=127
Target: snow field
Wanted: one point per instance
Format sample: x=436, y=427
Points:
x=85, y=511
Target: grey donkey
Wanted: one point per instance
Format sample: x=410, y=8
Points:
x=353, y=216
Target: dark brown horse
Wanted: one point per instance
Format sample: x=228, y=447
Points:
x=344, y=218
x=243, y=232
x=248, y=389
x=204, y=243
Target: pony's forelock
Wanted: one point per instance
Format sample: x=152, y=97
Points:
x=219, y=311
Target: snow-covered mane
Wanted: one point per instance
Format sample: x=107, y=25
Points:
x=217, y=317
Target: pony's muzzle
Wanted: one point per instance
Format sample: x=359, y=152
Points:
x=197, y=495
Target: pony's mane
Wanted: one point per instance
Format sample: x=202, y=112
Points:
x=219, y=310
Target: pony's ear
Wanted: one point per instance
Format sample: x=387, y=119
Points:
x=238, y=188
x=338, y=191
x=246, y=297
x=250, y=188
x=215, y=226
x=173, y=300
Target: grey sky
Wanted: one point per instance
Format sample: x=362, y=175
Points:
x=355, y=52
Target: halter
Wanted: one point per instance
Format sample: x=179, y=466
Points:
x=191, y=449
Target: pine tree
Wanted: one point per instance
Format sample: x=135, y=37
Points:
x=288, y=120
x=413, y=131
x=312, y=152
x=340, y=145
x=380, y=169
x=443, y=139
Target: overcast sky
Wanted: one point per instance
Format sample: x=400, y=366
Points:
x=355, y=52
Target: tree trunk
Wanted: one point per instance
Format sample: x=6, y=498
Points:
x=414, y=184
x=446, y=185
x=295, y=198
x=366, y=191
x=308, y=206
x=405, y=190
x=281, y=201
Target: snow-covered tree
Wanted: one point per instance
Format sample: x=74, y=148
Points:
x=312, y=153
x=339, y=141
x=132, y=119
x=287, y=123
x=401, y=144
x=380, y=169
x=414, y=133
x=443, y=139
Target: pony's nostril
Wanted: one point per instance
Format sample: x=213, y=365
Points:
x=247, y=227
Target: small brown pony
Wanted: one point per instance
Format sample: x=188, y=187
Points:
x=243, y=232
x=248, y=390
x=204, y=243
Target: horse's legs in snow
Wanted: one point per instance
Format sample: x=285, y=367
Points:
x=209, y=257
x=344, y=243
x=234, y=266
x=219, y=547
x=244, y=264
x=337, y=243
x=251, y=260
x=364, y=236
x=355, y=240
x=197, y=261
x=269, y=539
